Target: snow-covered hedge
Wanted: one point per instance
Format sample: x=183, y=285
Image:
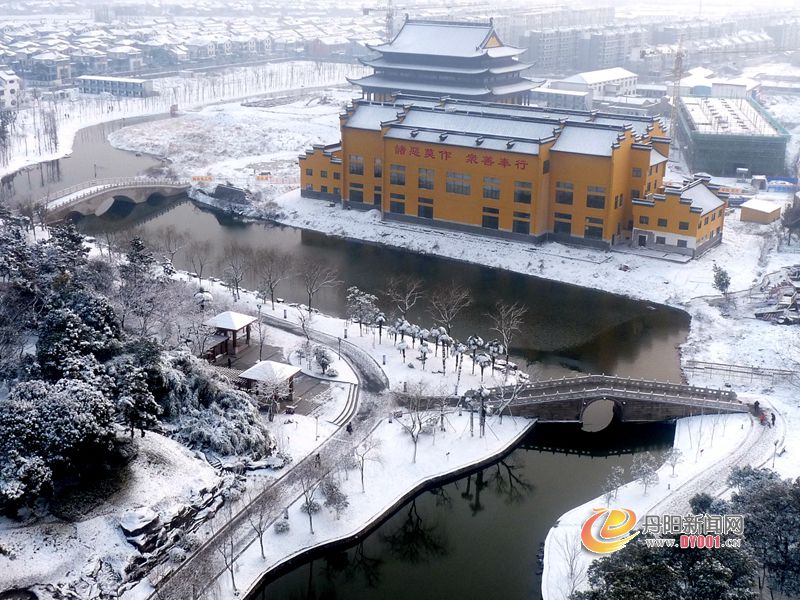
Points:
x=210, y=414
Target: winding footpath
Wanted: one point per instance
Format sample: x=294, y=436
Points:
x=756, y=449
x=204, y=566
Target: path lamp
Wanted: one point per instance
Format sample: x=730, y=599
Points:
x=340, y=348
x=774, y=452
x=316, y=427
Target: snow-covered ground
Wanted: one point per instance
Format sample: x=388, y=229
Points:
x=31, y=142
x=387, y=482
x=162, y=478
x=718, y=334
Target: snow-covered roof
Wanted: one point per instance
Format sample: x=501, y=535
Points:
x=381, y=63
x=409, y=85
x=440, y=38
x=702, y=198
x=230, y=321
x=268, y=370
x=656, y=158
x=478, y=124
x=761, y=205
x=370, y=116
x=586, y=140
x=601, y=76
x=731, y=116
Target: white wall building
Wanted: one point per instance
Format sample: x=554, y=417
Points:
x=606, y=82
x=9, y=88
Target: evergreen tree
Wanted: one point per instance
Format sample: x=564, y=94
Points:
x=69, y=251
x=637, y=571
x=140, y=261
x=136, y=403
x=722, y=281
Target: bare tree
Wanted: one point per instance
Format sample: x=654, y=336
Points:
x=421, y=416
x=305, y=320
x=404, y=293
x=226, y=549
x=170, y=241
x=507, y=320
x=271, y=391
x=447, y=303
x=309, y=483
x=317, y=276
x=569, y=547
x=269, y=268
x=367, y=451
x=645, y=469
x=234, y=261
x=259, y=519
x=673, y=457
x=199, y=252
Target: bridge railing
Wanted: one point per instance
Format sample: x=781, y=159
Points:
x=594, y=382
x=95, y=186
x=627, y=394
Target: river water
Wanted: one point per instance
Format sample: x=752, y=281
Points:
x=477, y=537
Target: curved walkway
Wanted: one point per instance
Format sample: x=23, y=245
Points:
x=201, y=569
x=757, y=449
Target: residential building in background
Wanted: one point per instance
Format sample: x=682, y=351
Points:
x=9, y=88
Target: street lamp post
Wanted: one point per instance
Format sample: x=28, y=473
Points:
x=774, y=452
x=340, y=348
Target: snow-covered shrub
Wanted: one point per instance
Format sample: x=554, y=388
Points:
x=281, y=526
x=177, y=554
x=209, y=412
x=48, y=429
x=323, y=358
x=335, y=498
x=312, y=507
x=332, y=372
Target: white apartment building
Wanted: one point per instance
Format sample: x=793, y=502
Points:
x=9, y=88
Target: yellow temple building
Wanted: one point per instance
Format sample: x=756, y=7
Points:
x=519, y=172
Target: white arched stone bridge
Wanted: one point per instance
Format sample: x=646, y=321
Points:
x=635, y=400
x=96, y=197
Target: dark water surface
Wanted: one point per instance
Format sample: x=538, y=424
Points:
x=567, y=327
x=477, y=537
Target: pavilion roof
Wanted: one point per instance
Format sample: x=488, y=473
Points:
x=230, y=321
x=268, y=370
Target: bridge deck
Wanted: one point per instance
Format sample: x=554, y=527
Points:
x=568, y=395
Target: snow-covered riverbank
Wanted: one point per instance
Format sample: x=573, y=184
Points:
x=720, y=332
x=30, y=141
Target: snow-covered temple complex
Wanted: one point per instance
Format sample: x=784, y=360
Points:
x=442, y=58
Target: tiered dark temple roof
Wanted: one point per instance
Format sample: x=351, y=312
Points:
x=442, y=58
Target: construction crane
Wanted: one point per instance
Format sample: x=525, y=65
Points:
x=677, y=75
x=390, y=11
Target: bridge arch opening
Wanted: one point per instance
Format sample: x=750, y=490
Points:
x=122, y=206
x=156, y=199
x=599, y=414
x=73, y=216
